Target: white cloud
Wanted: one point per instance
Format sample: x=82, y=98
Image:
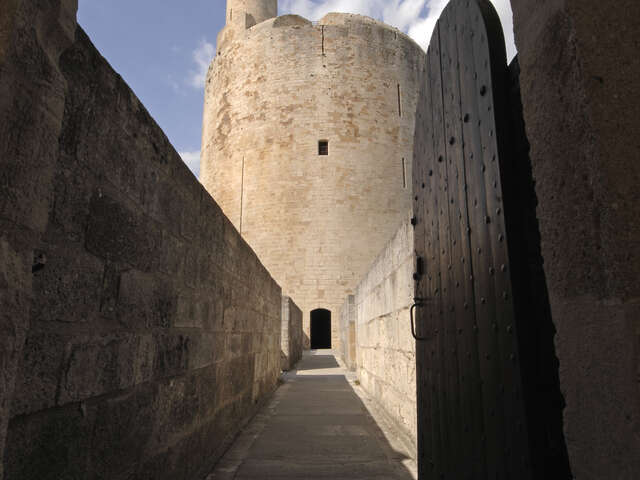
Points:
x=192, y=159
x=315, y=10
x=422, y=28
x=417, y=18
x=202, y=57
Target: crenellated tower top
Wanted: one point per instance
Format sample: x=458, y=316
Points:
x=247, y=13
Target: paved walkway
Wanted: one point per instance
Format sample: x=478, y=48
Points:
x=315, y=427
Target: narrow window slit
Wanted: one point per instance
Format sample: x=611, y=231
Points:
x=323, y=147
x=241, y=196
x=404, y=173
x=399, y=102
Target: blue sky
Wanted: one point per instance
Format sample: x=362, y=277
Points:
x=162, y=48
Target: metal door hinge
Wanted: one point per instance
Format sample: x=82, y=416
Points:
x=419, y=268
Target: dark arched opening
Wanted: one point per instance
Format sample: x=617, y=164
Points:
x=320, y=329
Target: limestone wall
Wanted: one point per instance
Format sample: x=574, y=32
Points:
x=347, y=350
x=317, y=222
x=291, y=334
x=579, y=68
x=152, y=329
x=385, y=349
x=31, y=109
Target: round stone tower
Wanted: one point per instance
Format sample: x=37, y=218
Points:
x=307, y=144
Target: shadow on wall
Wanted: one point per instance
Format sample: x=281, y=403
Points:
x=535, y=326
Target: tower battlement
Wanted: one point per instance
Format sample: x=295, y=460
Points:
x=242, y=15
x=247, y=13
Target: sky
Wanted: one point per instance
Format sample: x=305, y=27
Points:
x=162, y=48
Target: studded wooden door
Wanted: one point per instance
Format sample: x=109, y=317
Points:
x=474, y=419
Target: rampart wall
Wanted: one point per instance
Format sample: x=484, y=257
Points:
x=272, y=93
x=31, y=108
x=291, y=334
x=579, y=69
x=347, y=350
x=138, y=328
x=385, y=360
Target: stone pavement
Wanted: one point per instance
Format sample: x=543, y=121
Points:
x=317, y=426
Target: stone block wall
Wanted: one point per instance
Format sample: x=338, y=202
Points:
x=291, y=336
x=579, y=81
x=31, y=109
x=385, y=349
x=347, y=329
x=138, y=328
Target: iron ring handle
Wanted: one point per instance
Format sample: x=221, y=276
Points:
x=418, y=303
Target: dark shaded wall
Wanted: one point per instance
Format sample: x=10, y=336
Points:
x=291, y=334
x=581, y=98
x=149, y=330
x=32, y=36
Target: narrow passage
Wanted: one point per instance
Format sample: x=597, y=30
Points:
x=315, y=427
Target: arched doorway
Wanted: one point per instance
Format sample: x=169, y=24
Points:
x=320, y=329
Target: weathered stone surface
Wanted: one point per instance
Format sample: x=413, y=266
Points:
x=14, y=301
x=273, y=92
x=145, y=300
x=348, y=332
x=291, y=334
x=70, y=286
x=152, y=329
x=122, y=429
x=579, y=68
x=32, y=36
x=50, y=446
x=135, y=242
x=37, y=384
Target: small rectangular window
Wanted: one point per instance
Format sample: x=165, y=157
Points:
x=404, y=173
x=323, y=147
